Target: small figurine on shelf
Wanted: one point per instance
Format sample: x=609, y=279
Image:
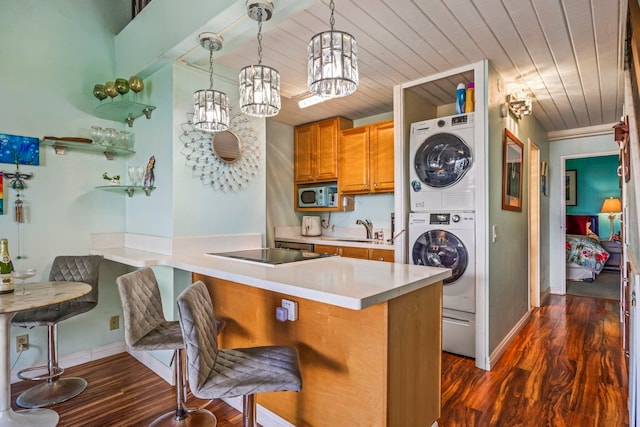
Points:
x=115, y=180
x=149, y=178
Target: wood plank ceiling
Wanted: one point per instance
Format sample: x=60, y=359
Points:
x=568, y=53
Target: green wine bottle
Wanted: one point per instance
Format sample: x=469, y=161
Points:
x=6, y=268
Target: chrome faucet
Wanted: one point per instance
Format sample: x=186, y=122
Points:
x=368, y=226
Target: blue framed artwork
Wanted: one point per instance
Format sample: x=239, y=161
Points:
x=16, y=149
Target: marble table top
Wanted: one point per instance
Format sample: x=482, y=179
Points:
x=39, y=294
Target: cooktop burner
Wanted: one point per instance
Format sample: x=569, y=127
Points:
x=271, y=256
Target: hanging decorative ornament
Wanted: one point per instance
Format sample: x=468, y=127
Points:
x=17, y=182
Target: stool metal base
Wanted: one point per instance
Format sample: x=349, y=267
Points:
x=53, y=392
x=198, y=418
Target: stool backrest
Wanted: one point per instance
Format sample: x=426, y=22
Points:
x=78, y=268
x=199, y=330
x=141, y=304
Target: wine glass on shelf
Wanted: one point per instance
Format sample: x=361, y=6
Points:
x=110, y=88
x=23, y=275
x=122, y=86
x=97, y=134
x=136, y=85
x=100, y=92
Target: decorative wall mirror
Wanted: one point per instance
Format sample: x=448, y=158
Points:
x=228, y=160
x=512, y=162
x=227, y=146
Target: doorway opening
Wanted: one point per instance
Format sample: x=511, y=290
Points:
x=593, y=255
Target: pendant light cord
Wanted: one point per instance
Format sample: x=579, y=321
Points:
x=332, y=20
x=260, y=36
x=210, y=67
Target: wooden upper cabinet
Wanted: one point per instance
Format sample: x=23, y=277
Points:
x=316, y=150
x=354, y=160
x=381, y=156
x=366, y=159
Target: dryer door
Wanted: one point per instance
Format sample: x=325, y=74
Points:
x=442, y=160
x=440, y=248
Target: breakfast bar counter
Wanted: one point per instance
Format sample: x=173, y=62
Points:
x=368, y=332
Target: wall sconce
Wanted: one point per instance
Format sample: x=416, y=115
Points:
x=520, y=103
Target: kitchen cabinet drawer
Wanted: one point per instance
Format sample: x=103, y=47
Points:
x=366, y=159
x=353, y=252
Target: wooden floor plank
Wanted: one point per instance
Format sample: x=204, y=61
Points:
x=565, y=368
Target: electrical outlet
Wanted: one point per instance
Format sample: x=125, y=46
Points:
x=292, y=309
x=22, y=340
x=114, y=323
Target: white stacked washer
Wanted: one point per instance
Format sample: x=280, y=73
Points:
x=441, y=170
x=442, y=178
x=446, y=239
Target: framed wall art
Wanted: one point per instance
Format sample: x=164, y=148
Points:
x=571, y=187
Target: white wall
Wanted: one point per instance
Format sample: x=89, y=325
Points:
x=52, y=55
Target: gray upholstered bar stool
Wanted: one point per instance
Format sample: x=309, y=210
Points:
x=217, y=373
x=145, y=328
x=82, y=268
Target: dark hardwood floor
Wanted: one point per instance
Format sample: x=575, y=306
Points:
x=565, y=368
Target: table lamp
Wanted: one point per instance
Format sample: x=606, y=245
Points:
x=611, y=206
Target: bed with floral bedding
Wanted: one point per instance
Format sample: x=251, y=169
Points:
x=585, y=255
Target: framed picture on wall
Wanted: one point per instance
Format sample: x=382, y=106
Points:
x=571, y=187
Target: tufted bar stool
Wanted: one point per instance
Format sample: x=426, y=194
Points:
x=216, y=373
x=82, y=268
x=145, y=328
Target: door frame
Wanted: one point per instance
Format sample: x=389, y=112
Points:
x=534, y=225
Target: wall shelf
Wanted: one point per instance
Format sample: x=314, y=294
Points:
x=60, y=147
x=123, y=111
x=129, y=189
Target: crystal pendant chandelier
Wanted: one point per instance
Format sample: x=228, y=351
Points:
x=259, y=84
x=332, y=62
x=211, y=107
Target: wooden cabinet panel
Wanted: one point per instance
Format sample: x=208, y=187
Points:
x=381, y=156
x=353, y=252
x=354, y=160
x=327, y=150
x=316, y=150
x=304, y=143
x=350, y=252
x=381, y=255
x=327, y=249
x=366, y=159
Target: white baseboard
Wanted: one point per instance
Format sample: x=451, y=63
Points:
x=82, y=357
x=163, y=371
x=265, y=417
x=502, y=347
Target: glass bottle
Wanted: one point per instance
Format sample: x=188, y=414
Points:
x=6, y=268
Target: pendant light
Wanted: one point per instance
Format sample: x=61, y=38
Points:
x=211, y=107
x=259, y=85
x=332, y=62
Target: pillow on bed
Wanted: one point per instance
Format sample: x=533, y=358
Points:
x=577, y=224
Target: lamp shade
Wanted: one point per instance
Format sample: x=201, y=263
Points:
x=611, y=205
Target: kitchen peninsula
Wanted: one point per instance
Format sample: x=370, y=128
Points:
x=368, y=332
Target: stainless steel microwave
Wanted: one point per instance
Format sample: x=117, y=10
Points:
x=325, y=196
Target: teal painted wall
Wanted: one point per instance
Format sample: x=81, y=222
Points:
x=597, y=179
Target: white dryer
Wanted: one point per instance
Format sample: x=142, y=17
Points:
x=441, y=171
x=447, y=239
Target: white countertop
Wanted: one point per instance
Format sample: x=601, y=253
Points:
x=346, y=236
x=344, y=282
